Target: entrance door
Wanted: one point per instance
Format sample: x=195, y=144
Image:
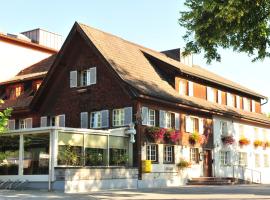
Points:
x=207, y=163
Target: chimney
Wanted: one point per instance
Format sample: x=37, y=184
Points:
x=176, y=55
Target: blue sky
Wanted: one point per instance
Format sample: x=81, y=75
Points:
x=151, y=23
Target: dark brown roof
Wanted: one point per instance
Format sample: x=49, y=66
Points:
x=130, y=63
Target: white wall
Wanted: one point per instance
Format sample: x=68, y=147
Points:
x=249, y=131
x=15, y=58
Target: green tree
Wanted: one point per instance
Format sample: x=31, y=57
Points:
x=4, y=115
x=242, y=25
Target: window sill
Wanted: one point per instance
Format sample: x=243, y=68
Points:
x=169, y=163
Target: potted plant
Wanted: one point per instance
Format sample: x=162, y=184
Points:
x=266, y=144
x=227, y=140
x=155, y=134
x=183, y=164
x=244, y=141
x=257, y=143
x=194, y=138
x=202, y=139
x=171, y=136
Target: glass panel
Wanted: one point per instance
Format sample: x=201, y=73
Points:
x=9, y=155
x=70, y=148
x=36, y=154
x=95, y=150
x=118, y=150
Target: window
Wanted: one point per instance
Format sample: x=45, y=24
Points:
x=246, y=102
x=230, y=100
x=194, y=155
x=15, y=92
x=257, y=160
x=96, y=120
x=22, y=124
x=168, y=120
x=192, y=125
x=190, y=88
x=86, y=77
x=168, y=154
x=118, y=150
x=182, y=87
x=152, y=152
x=224, y=128
x=242, y=158
x=152, y=117
x=118, y=117
x=241, y=131
x=219, y=96
x=83, y=78
x=253, y=109
x=225, y=157
x=210, y=94
x=266, y=160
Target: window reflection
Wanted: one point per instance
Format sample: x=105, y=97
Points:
x=36, y=154
x=9, y=155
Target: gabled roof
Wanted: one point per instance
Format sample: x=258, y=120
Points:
x=130, y=63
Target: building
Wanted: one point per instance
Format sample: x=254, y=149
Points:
x=88, y=118
x=29, y=47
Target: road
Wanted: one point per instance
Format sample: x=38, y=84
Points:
x=237, y=192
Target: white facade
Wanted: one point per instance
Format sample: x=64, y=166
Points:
x=257, y=158
x=15, y=58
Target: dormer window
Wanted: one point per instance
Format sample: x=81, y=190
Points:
x=182, y=87
x=15, y=92
x=246, y=103
x=230, y=100
x=210, y=94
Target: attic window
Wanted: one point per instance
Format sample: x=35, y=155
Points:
x=15, y=92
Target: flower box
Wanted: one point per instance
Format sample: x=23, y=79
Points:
x=244, y=141
x=257, y=143
x=162, y=135
x=227, y=140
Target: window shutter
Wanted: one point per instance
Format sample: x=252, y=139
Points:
x=29, y=123
x=177, y=121
x=84, y=119
x=188, y=124
x=43, y=121
x=145, y=116
x=201, y=125
x=219, y=97
x=127, y=115
x=105, y=118
x=162, y=118
x=190, y=88
x=73, y=79
x=61, y=120
x=93, y=75
x=11, y=124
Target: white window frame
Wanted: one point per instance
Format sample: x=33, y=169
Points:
x=242, y=158
x=83, y=78
x=190, y=88
x=118, y=117
x=22, y=124
x=246, y=104
x=266, y=160
x=151, y=117
x=182, y=88
x=230, y=100
x=219, y=97
x=257, y=160
x=168, y=153
x=225, y=158
x=238, y=102
x=152, y=152
x=194, y=155
x=95, y=119
x=253, y=106
x=224, y=131
x=168, y=120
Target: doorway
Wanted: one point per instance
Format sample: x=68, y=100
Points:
x=207, y=163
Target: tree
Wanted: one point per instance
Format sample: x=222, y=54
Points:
x=4, y=115
x=242, y=25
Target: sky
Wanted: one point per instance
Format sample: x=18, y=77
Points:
x=151, y=23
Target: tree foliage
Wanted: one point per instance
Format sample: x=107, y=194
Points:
x=4, y=115
x=242, y=25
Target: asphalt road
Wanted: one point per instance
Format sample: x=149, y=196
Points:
x=237, y=192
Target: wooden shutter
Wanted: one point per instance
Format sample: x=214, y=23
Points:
x=162, y=118
x=219, y=97
x=189, y=128
x=73, y=79
x=93, y=75
x=190, y=88
x=144, y=116
x=105, y=118
x=177, y=121
x=201, y=125
x=43, y=121
x=11, y=124
x=84, y=119
x=127, y=115
x=61, y=120
x=28, y=123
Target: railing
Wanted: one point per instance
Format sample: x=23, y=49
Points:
x=247, y=174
